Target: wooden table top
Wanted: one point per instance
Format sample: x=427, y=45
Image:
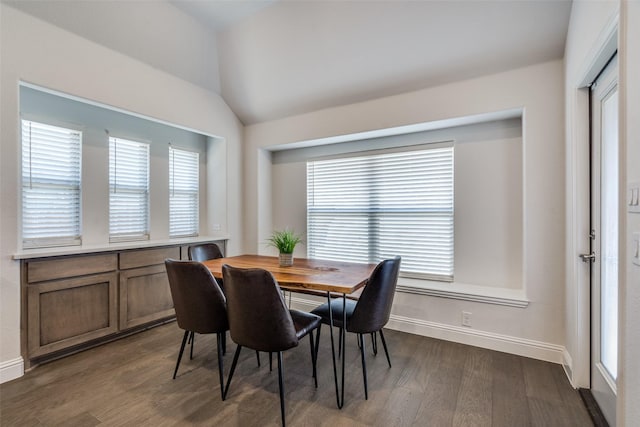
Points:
x=317, y=275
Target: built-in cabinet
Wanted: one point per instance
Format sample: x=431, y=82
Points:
x=144, y=288
x=72, y=302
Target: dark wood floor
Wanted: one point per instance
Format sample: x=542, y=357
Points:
x=431, y=383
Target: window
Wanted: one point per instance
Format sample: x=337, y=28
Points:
x=50, y=185
x=128, y=190
x=183, y=192
x=371, y=207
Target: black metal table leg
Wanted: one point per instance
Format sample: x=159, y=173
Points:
x=341, y=339
x=333, y=353
x=344, y=347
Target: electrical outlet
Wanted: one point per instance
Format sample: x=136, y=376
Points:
x=466, y=319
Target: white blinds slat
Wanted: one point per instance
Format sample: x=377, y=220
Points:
x=128, y=190
x=183, y=192
x=368, y=208
x=50, y=185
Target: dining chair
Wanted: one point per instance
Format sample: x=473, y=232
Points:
x=199, y=303
x=204, y=252
x=260, y=320
x=370, y=313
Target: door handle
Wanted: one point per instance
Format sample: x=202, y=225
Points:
x=588, y=257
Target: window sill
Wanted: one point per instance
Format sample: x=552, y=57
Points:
x=465, y=292
x=87, y=249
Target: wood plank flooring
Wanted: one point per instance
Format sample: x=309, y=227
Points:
x=431, y=383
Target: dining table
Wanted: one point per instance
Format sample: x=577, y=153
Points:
x=332, y=278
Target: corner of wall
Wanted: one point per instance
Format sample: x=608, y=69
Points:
x=11, y=369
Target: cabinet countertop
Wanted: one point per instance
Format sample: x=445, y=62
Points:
x=89, y=249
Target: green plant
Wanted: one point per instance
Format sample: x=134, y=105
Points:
x=285, y=240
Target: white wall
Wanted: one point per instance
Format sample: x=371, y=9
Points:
x=155, y=32
x=537, y=330
x=39, y=53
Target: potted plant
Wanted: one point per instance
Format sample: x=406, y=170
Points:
x=285, y=241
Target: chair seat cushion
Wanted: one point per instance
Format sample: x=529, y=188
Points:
x=304, y=322
x=336, y=309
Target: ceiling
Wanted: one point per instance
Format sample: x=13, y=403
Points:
x=299, y=56
x=273, y=59
x=220, y=14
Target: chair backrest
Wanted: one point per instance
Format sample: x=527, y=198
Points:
x=258, y=316
x=374, y=305
x=204, y=252
x=198, y=300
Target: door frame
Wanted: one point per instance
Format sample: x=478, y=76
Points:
x=578, y=364
x=600, y=382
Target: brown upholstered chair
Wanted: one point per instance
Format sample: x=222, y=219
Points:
x=204, y=252
x=199, y=303
x=370, y=313
x=259, y=319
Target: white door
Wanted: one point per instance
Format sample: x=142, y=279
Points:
x=604, y=223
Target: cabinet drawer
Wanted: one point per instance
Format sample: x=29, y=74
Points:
x=146, y=257
x=59, y=268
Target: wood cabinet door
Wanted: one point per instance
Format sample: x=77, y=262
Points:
x=64, y=313
x=144, y=296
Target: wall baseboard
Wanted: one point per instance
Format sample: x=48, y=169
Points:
x=11, y=369
x=567, y=364
x=463, y=335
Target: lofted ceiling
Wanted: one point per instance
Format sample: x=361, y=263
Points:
x=299, y=56
x=272, y=59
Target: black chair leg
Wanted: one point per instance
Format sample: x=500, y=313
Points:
x=340, y=341
x=270, y=362
x=224, y=343
x=281, y=386
x=233, y=368
x=384, y=344
x=184, y=341
x=192, y=339
x=364, y=366
x=313, y=358
x=374, y=343
x=258, y=357
x=318, y=341
x=220, y=337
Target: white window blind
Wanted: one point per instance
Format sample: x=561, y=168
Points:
x=183, y=192
x=50, y=185
x=368, y=208
x=128, y=190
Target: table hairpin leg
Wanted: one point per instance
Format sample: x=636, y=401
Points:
x=341, y=337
